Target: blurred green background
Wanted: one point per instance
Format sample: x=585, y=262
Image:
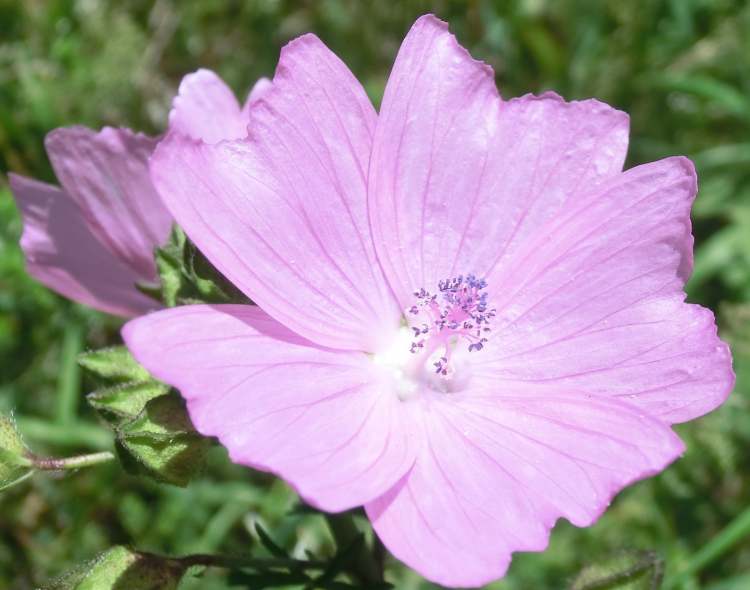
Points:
x=681, y=68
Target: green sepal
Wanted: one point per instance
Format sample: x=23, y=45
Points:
x=154, y=435
x=120, y=568
x=626, y=570
x=124, y=402
x=113, y=365
x=160, y=442
x=14, y=464
x=187, y=277
x=152, y=290
x=161, y=417
x=170, y=267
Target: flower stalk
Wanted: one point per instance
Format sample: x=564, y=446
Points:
x=67, y=463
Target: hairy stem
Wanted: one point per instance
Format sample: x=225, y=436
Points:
x=54, y=464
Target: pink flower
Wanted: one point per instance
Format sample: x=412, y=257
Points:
x=470, y=320
x=93, y=239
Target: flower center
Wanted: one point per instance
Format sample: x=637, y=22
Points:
x=442, y=328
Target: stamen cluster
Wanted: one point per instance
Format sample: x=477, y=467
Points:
x=459, y=309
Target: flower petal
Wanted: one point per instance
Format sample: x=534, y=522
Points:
x=258, y=91
x=457, y=177
x=106, y=174
x=318, y=418
x=498, y=472
x=62, y=253
x=206, y=108
x=595, y=303
x=283, y=214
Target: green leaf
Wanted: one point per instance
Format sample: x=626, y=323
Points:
x=125, y=401
x=719, y=93
x=160, y=442
x=626, y=570
x=120, y=568
x=14, y=464
x=113, y=365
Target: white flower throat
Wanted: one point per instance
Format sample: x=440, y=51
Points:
x=430, y=350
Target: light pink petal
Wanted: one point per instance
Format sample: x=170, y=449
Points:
x=62, y=254
x=283, y=214
x=458, y=178
x=320, y=419
x=106, y=174
x=206, y=108
x=497, y=473
x=595, y=303
x=258, y=91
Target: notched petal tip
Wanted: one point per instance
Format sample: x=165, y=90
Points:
x=259, y=89
x=430, y=22
x=305, y=40
x=189, y=83
x=593, y=105
x=199, y=76
x=113, y=137
x=688, y=168
x=205, y=107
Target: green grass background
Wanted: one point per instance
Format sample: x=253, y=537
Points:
x=681, y=68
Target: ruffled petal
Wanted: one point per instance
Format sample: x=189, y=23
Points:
x=498, y=472
x=283, y=214
x=594, y=302
x=457, y=177
x=63, y=254
x=106, y=174
x=206, y=108
x=258, y=91
x=318, y=418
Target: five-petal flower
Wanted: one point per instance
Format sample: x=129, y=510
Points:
x=469, y=319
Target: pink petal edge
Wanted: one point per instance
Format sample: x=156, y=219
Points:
x=315, y=417
x=106, y=174
x=458, y=177
x=62, y=253
x=290, y=202
x=205, y=108
x=494, y=476
x=595, y=303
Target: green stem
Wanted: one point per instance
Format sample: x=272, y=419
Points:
x=235, y=562
x=52, y=464
x=364, y=566
x=732, y=534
